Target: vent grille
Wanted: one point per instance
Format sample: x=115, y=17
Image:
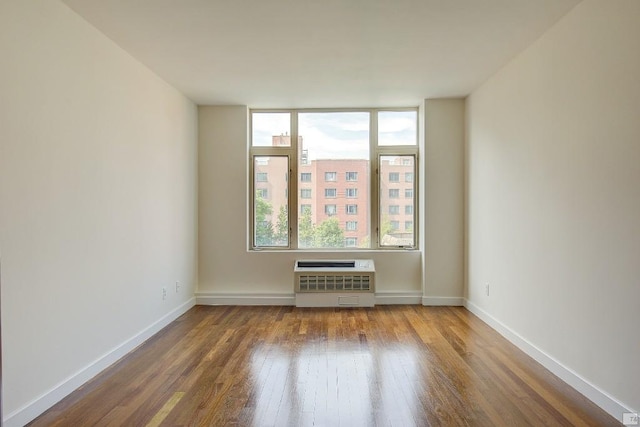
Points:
x=334, y=283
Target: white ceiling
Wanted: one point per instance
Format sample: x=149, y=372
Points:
x=322, y=53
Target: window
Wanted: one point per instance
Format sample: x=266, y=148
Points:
x=330, y=193
x=270, y=225
x=324, y=148
x=391, y=235
x=330, y=210
x=330, y=176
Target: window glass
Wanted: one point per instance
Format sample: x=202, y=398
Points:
x=397, y=128
x=392, y=167
x=336, y=156
x=337, y=150
x=270, y=129
x=271, y=220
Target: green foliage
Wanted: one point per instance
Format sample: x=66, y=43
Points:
x=281, y=235
x=264, y=229
x=329, y=234
x=306, y=231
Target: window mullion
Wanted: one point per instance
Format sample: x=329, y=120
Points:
x=293, y=183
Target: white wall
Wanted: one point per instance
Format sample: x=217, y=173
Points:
x=225, y=265
x=444, y=201
x=554, y=197
x=97, y=202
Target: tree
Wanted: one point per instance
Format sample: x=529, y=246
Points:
x=385, y=226
x=281, y=235
x=264, y=228
x=306, y=231
x=329, y=234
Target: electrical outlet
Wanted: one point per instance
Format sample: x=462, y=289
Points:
x=164, y=293
x=177, y=286
x=486, y=287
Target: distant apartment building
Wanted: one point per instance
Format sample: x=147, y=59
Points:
x=340, y=188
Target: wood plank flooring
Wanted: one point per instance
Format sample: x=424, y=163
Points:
x=286, y=366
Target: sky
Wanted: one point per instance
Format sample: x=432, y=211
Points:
x=337, y=135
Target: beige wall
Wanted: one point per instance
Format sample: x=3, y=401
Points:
x=444, y=199
x=554, y=196
x=225, y=265
x=97, y=200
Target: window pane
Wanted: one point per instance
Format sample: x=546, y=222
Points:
x=270, y=129
x=271, y=222
x=391, y=216
x=335, y=150
x=398, y=127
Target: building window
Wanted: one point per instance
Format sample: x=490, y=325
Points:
x=330, y=210
x=408, y=225
x=330, y=176
x=395, y=225
x=408, y=210
x=263, y=193
x=380, y=147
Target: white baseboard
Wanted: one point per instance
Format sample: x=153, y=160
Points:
x=450, y=301
x=398, y=298
x=590, y=391
x=213, y=298
x=31, y=410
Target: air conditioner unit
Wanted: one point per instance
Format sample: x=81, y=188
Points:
x=334, y=283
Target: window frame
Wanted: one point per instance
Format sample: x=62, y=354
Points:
x=374, y=205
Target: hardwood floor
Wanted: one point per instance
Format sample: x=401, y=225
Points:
x=284, y=366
